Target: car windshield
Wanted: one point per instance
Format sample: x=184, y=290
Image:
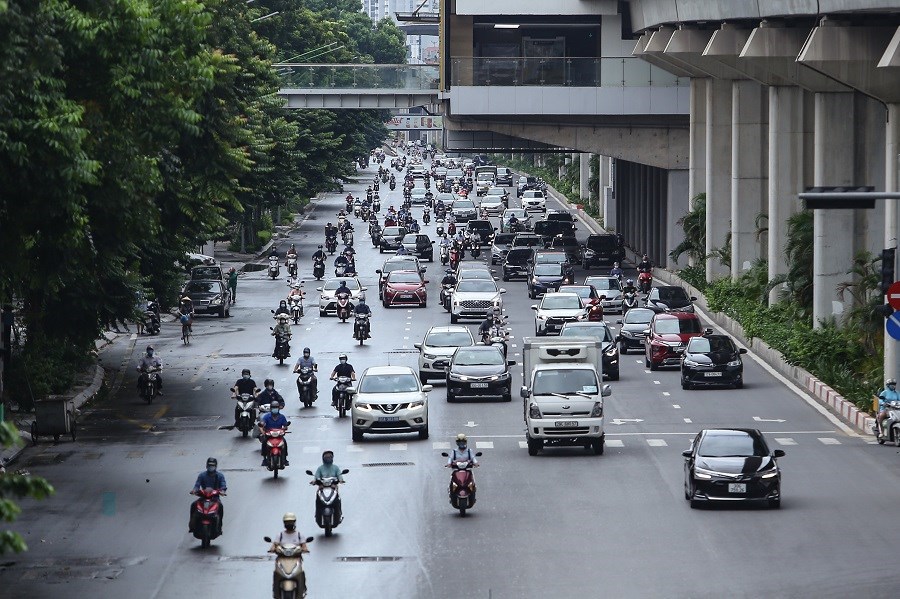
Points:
x=675, y=326
x=476, y=286
x=463, y=204
x=602, y=242
x=559, y=301
x=603, y=283
x=399, y=265
x=564, y=242
x=503, y=238
x=480, y=225
x=518, y=213
x=545, y=258
x=547, y=270
x=404, y=276
x=393, y=231
x=448, y=339
x=736, y=444
x=496, y=191
x=565, y=382
x=708, y=345
x=333, y=284
x=202, y=287
x=533, y=194
x=587, y=330
x=206, y=272
x=475, y=357
x=476, y=273
x=529, y=240
x=454, y=172
x=519, y=256
x=639, y=316
x=582, y=291
x=410, y=238
x=672, y=293
x=388, y=383
x=446, y=197
x=418, y=191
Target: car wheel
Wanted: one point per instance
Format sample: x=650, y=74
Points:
x=508, y=397
x=423, y=434
x=454, y=318
x=739, y=384
x=423, y=378
x=687, y=492
x=685, y=385
x=385, y=303
x=534, y=446
x=228, y=312
x=623, y=349
x=614, y=375
x=505, y=278
x=694, y=503
x=222, y=312
x=424, y=304
x=380, y=250
x=646, y=361
x=775, y=503
x=530, y=293
x=356, y=434
x=450, y=397
x=597, y=446
x=321, y=313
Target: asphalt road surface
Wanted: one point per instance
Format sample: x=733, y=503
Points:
x=566, y=523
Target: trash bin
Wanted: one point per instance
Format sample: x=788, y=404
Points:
x=53, y=416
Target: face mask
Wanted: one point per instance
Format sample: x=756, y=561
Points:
x=306, y=355
x=290, y=526
x=461, y=446
x=276, y=410
x=343, y=361
x=328, y=460
x=246, y=377
x=149, y=354
x=269, y=387
x=210, y=469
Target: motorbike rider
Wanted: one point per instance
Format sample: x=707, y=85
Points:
x=342, y=288
x=363, y=308
x=319, y=254
x=402, y=251
x=414, y=226
x=492, y=319
x=645, y=264
x=283, y=327
x=449, y=278
x=186, y=308
x=328, y=469
x=615, y=271
x=513, y=222
x=149, y=362
x=462, y=453
x=342, y=261
x=210, y=478
x=296, y=291
x=629, y=287
x=271, y=420
x=307, y=361
x=330, y=231
x=888, y=394
x=291, y=253
x=269, y=395
x=244, y=385
x=282, y=308
x=343, y=368
x=289, y=536
x=273, y=255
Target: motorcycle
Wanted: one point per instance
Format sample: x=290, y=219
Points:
x=274, y=267
x=282, y=347
x=289, y=570
x=361, y=328
x=318, y=268
x=331, y=244
x=206, y=520
x=348, y=236
x=274, y=442
x=328, y=502
x=891, y=425
x=451, y=229
x=440, y=227
x=445, y=255
x=350, y=204
x=343, y=306
x=393, y=185
x=376, y=206
x=151, y=319
x=426, y=217
x=292, y=267
x=149, y=384
x=446, y=294
x=247, y=406
x=357, y=206
x=645, y=280
x=462, y=485
x=629, y=301
x=497, y=336
x=595, y=310
x=475, y=247
x=343, y=398
x=305, y=386
x=295, y=304
x=454, y=258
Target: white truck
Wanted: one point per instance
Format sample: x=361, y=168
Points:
x=562, y=392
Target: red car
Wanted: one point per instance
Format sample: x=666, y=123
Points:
x=669, y=334
x=404, y=287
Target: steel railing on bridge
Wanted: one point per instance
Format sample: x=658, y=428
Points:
x=566, y=72
x=375, y=77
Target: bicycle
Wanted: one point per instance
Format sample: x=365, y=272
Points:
x=186, y=332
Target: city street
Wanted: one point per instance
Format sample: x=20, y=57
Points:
x=566, y=523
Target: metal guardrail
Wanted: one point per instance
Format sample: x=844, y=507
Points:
x=405, y=77
x=564, y=72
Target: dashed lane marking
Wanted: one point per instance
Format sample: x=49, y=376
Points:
x=197, y=388
x=398, y=446
x=615, y=443
x=829, y=441
x=657, y=443
x=676, y=406
x=785, y=441
x=666, y=394
x=440, y=445
x=484, y=445
x=656, y=382
x=688, y=421
x=524, y=444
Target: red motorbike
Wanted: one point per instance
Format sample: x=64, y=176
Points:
x=343, y=306
x=451, y=229
x=390, y=221
x=275, y=450
x=595, y=311
x=462, y=485
x=645, y=280
x=454, y=257
x=206, y=519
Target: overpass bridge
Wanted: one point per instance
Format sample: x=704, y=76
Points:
x=370, y=86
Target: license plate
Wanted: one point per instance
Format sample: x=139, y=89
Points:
x=479, y=385
x=554, y=326
x=388, y=419
x=406, y=296
x=562, y=423
x=737, y=487
x=712, y=374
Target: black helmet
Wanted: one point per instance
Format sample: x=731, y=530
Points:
x=212, y=462
x=275, y=404
x=306, y=350
x=245, y=371
x=282, y=303
x=320, y=247
x=268, y=382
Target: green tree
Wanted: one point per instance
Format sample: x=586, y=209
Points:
x=13, y=486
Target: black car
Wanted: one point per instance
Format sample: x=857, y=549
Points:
x=601, y=331
x=545, y=277
x=556, y=257
x=479, y=371
x=549, y=229
x=483, y=229
x=562, y=216
x=210, y=297
x=419, y=245
x=504, y=176
x=517, y=263
x=500, y=245
x=712, y=360
x=569, y=245
x=601, y=249
x=669, y=298
x=528, y=240
x=633, y=327
x=391, y=239
x=731, y=465
x=524, y=183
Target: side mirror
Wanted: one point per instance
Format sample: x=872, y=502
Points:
x=534, y=306
x=693, y=299
x=646, y=331
x=605, y=391
x=417, y=345
x=524, y=392
x=351, y=390
x=345, y=471
x=426, y=281
x=502, y=290
x=686, y=453
x=272, y=311
x=478, y=454
x=271, y=329
x=364, y=288
x=778, y=453
x=742, y=351
x=427, y=388
x=267, y=539
x=318, y=289
x=510, y=362
x=619, y=322
x=378, y=271
x=309, y=539
x=309, y=472
x=445, y=454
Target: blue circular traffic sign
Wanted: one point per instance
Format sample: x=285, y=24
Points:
x=892, y=325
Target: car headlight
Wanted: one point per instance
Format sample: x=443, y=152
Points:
x=494, y=378
x=612, y=350
x=770, y=473
x=429, y=356
x=691, y=363
x=416, y=404
x=703, y=474
x=534, y=411
x=589, y=253
x=540, y=316
x=597, y=412
x=735, y=362
x=216, y=300
x=364, y=406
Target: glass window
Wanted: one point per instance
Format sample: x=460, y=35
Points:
x=560, y=301
x=203, y=287
x=449, y=339
x=706, y=345
x=738, y=444
x=675, y=326
x=639, y=316
x=601, y=332
x=331, y=285
x=565, y=382
x=672, y=293
x=603, y=283
x=388, y=383
x=581, y=291
x=404, y=276
x=473, y=357
x=547, y=270
x=476, y=286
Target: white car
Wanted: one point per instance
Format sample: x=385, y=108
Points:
x=492, y=203
x=475, y=298
x=417, y=195
x=437, y=348
x=389, y=400
x=608, y=286
x=327, y=300
x=534, y=201
x=555, y=310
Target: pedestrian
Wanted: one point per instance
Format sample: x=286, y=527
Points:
x=232, y=284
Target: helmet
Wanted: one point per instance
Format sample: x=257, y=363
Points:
x=461, y=438
x=342, y=357
x=185, y=299
x=212, y=462
x=275, y=404
x=269, y=382
x=245, y=371
x=890, y=382
x=289, y=517
x=615, y=265
x=629, y=282
x=320, y=247
x=306, y=350
x=149, y=348
x=449, y=271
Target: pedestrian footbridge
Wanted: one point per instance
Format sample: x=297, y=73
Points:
x=354, y=86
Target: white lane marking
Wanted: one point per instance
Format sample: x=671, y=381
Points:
x=406, y=339
x=758, y=419
x=524, y=444
x=655, y=382
x=410, y=311
x=666, y=394
x=133, y=336
x=785, y=441
x=517, y=354
x=440, y=445
x=514, y=345
x=311, y=450
x=354, y=449
x=646, y=372
x=614, y=443
x=308, y=328
x=657, y=443
x=829, y=441
x=398, y=446
x=197, y=388
x=405, y=347
x=638, y=361
x=406, y=329
x=484, y=444
x=676, y=406
x=688, y=421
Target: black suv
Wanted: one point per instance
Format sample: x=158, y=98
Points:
x=601, y=249
x=525, y=183
x=712, y=360
x=482, y=228
x=548, y=229
x=517, y=263
x=670, y=298
x=419, y=245
x=569, y=245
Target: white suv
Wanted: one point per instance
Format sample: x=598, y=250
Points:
x=389, y=400
x=438, y=347
x=475, y=298
x=534, y=201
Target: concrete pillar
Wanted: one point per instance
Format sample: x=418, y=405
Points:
x=718, y=170
x=697, y=157
x=584, y=177
x=749, y=164
x=786, y=158
x=609, y=199
x=834, y=240
x=891, y=217
x=677, y=205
